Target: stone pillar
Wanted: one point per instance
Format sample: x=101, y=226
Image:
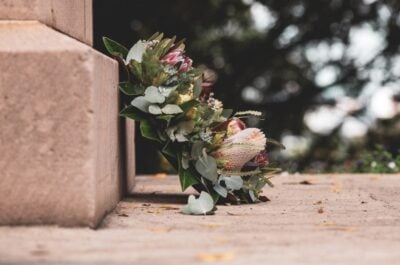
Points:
x=60, y=160
x=72, y=17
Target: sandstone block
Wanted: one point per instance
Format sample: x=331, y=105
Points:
x=73, y=17
x=59, y=161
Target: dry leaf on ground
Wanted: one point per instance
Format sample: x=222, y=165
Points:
x=213, y=257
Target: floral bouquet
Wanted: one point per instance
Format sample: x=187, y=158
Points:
x=210, y=147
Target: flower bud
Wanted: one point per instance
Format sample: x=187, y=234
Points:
x=173, y=57
x=186, y=65
x=176, y=56
x=234, y=126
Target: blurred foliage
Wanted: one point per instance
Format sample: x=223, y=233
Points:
x=377, y=161
x=267, y=55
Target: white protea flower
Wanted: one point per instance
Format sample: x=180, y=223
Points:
x=240, y=148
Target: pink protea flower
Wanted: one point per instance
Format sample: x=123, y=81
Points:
x=186, y=65
x=240, y=148
x=234, y=126
x=177, y=56
x=173, y=57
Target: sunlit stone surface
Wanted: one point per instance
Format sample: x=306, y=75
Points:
x=59, y=160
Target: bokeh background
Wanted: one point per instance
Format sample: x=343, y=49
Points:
x=324, y=73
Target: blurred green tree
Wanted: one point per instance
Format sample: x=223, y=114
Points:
x=286, y=59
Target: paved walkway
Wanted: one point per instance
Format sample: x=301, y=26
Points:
x=310, y=220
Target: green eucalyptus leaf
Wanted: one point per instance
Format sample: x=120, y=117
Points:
x=170, y=131
x=197, y=149
x=220, y=190
x=201, y=206
x=232, y=182
x=227, y=113
x=170, y=154
x=185, y=160
x=114, y=48
x=161, y=136
x=155, y=109
x=207, y=167
x=215, y=197
x=187, y=177
x=153, y=95
x=141, y=103
x=189, y=104
x=171, y=109
x=166, y=91
x=181, y=138
x=260, y=184
x=252, y=196
x=130, y=89
x=148, y=131
x=197, y=88
x=132, y=112
x=169, y=150
x=137, y=51
x=165, y=117
x=269, y=183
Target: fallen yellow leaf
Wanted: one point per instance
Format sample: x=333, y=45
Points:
x=160, y=175
x=160, y=230
x=327, y=224
x=213, y=257
x=374, y=177
x=168, y=207
x=212, y=225
x=221, y=240
x=333, y=226
x=157, y=211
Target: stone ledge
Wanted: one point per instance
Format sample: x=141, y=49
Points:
x=60, y=161
x=358, y=224
x=73, y=17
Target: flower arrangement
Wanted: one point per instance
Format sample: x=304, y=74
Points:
x=210, y=147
